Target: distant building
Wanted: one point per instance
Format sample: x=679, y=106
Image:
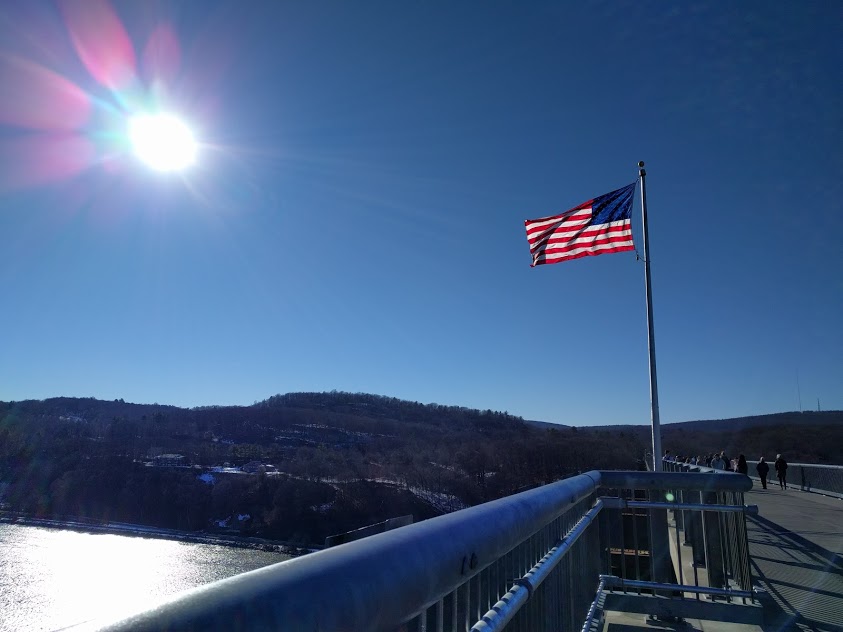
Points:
x=253, y=467
x=169, y=460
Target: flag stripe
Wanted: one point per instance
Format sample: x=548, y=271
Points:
x=596, y=240
x=620, y=227
x=557, y=228
x=534, y=224
x=599, y=226
x=592, y=241
x=602, y=229
x=545, y=233
x=534, y=230
x=582, y=252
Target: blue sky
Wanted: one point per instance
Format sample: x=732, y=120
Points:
x=355, y=218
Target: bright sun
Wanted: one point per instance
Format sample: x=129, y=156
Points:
x=162, y=141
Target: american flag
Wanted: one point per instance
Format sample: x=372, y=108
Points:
x=595, y=227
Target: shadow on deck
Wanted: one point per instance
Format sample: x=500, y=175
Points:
x=802, y=578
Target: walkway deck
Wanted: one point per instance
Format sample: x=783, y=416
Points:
x=796, y=543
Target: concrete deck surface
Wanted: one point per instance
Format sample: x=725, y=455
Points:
x=627, y=622
x=796, y=544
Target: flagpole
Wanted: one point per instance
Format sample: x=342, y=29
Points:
x=651, y=340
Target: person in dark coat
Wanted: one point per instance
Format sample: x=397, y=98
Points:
x=743, y=468
x=763, y=469
x=781, y=470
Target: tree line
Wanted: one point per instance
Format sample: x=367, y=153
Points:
x=344, y=460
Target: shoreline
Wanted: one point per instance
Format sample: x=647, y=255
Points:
x=159, y=533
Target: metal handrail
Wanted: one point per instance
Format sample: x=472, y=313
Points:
x=525, y=561
x=379, y=582
x=809, y=477
x=612, y=582
x=724, y=538
x=819, y=465
x=624, y=503
x=592, y=611
x=505, y=609
x=686, y=478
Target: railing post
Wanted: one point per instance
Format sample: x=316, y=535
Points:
x=615, y=539
x=694, y=532
x=688, y=516
x=659, y=541
x=730, y=537
x=713, y=542
x=746, y=569
x=605, y=546
x=677, y=495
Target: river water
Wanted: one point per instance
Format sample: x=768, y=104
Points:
x=51, y=579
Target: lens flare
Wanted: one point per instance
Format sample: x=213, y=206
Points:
x=60, y=120
x=36, y=98
x=162, y=141
x=101, y=41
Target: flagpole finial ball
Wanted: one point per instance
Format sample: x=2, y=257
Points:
x=640, y=163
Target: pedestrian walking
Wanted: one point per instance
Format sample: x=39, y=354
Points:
x=763, y=469
x=781, y=470
x=742, y=467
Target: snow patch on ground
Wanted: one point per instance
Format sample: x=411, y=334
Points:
x=445, y=503
x=227, y=470
x=225, y=524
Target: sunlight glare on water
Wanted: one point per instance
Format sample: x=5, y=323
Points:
x=50, y=579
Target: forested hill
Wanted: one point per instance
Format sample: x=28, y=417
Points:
x=305, y=465
x=321, y=463
x=809, y=437
x=794, y=418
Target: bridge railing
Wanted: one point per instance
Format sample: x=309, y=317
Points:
x=531, y=561
x=810, y=477
x=719, y=536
